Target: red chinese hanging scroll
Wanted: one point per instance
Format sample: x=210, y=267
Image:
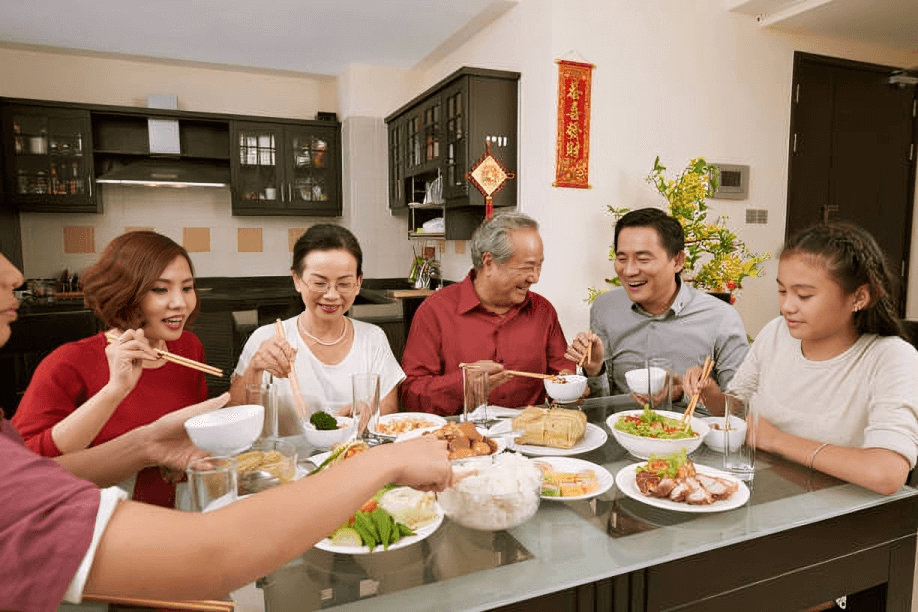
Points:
x=572, y=166
x=489, y=176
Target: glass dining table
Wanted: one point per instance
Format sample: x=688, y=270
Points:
x=802, y=538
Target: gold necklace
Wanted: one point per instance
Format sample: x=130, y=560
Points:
x=299, y=324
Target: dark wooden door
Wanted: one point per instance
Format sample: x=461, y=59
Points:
x=852, y=152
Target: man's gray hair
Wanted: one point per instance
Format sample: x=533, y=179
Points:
x=493, y=236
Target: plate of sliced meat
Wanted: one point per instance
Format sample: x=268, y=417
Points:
x=688, y=488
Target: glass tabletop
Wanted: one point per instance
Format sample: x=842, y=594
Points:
x=565, y=544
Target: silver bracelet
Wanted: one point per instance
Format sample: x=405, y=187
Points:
x=812, y=459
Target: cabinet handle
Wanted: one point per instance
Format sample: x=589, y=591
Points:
x=90, y=181
x=290, y=192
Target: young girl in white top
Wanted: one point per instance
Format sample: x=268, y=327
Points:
x=832, y=380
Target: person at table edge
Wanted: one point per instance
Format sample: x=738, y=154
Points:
x=490, y=318
x=655, y=313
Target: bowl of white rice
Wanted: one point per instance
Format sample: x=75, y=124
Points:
x=493, y=492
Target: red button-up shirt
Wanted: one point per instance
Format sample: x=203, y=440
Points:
x=452, y=327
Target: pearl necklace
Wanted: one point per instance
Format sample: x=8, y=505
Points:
x=299, y=324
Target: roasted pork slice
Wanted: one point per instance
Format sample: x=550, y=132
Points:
x=665, y=487
x=719, y=488
x=647, y=482
x=699, y=496
x=679, y=492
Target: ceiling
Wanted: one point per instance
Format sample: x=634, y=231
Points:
x=317, y=37
x=323, y=37
x=890, y=23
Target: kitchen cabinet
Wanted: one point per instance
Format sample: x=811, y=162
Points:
x=286, y=168
x=48, y=166
x=436, y=138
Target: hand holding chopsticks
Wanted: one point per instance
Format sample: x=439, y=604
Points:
x=705, y=372
x=183, y=361
x=298, y=402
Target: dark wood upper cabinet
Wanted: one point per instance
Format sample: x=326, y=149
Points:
x=440, y=134
x=286, y=168
x=48, y=164
x=52, y=154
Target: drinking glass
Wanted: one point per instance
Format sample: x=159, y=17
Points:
x=659, y=383
x=475, y=389
x=213, y=483
x=366, y=405
x=739, y=425
x=260, y=394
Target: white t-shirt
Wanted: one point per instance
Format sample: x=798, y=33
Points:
x=328, y=387
x=867, y=397
x=108, y=502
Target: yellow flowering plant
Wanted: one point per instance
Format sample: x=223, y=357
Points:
x=716, y=260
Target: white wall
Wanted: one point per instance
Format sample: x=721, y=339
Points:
x=674, y=78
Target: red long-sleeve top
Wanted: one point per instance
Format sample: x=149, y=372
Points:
x=452, y=327
x=73, y=373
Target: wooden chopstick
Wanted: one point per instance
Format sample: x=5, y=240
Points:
x=298, y=401
x=188, y=363
x=530, y=374
x=705, y=372
x=586, y=356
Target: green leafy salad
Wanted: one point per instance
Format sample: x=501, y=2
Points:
x=664, y=465
x=650, y=424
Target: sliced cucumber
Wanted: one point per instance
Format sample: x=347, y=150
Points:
x=346, y=536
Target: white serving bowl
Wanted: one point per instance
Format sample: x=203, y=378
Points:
x=326, y=438
x=569, y=391
x=637, y=380
x=226, y=431
x=493, y=493
x=642, y=447
x=735, y=436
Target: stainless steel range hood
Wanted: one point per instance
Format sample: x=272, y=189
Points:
x=164, y=167
x=160, y=172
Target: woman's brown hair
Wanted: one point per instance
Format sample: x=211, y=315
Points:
x=853, y=258
x=127, y=269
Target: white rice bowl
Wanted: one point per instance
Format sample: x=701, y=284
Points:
x=493, y=493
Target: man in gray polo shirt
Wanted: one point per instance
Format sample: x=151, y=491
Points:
x=655, y=314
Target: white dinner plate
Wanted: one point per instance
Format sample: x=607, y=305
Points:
x=593, y=438
x=419, y=534
x=571, y=465
x=435, y=421
x=627, y=485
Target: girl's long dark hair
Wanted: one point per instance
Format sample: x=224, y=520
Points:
x=853, y=258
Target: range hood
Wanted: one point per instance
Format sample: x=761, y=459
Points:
x=165, y=167
x=162, y=172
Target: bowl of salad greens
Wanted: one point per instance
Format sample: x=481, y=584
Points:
x=646, y=432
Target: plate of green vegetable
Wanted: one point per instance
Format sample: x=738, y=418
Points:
x=395, y=518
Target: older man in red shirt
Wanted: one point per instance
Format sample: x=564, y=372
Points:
x=492, y=319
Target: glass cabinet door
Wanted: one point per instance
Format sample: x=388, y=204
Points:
x=397, y=162
x=50, y=168
x=431, y=116
x=456, y=160
x=308, y=175
x=258, y=180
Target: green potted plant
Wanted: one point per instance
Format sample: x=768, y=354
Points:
x=716, y=259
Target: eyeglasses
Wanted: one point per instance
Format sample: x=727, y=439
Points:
x=344, y=287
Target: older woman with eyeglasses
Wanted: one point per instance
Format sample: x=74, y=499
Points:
x=324, y=346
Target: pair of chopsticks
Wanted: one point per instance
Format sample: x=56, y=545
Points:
x=705, y=372
x=520, y=373
x=184, y=361
x=298, y=402
x=586, y=356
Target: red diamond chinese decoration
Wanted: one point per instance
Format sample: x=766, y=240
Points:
x=489, y=176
